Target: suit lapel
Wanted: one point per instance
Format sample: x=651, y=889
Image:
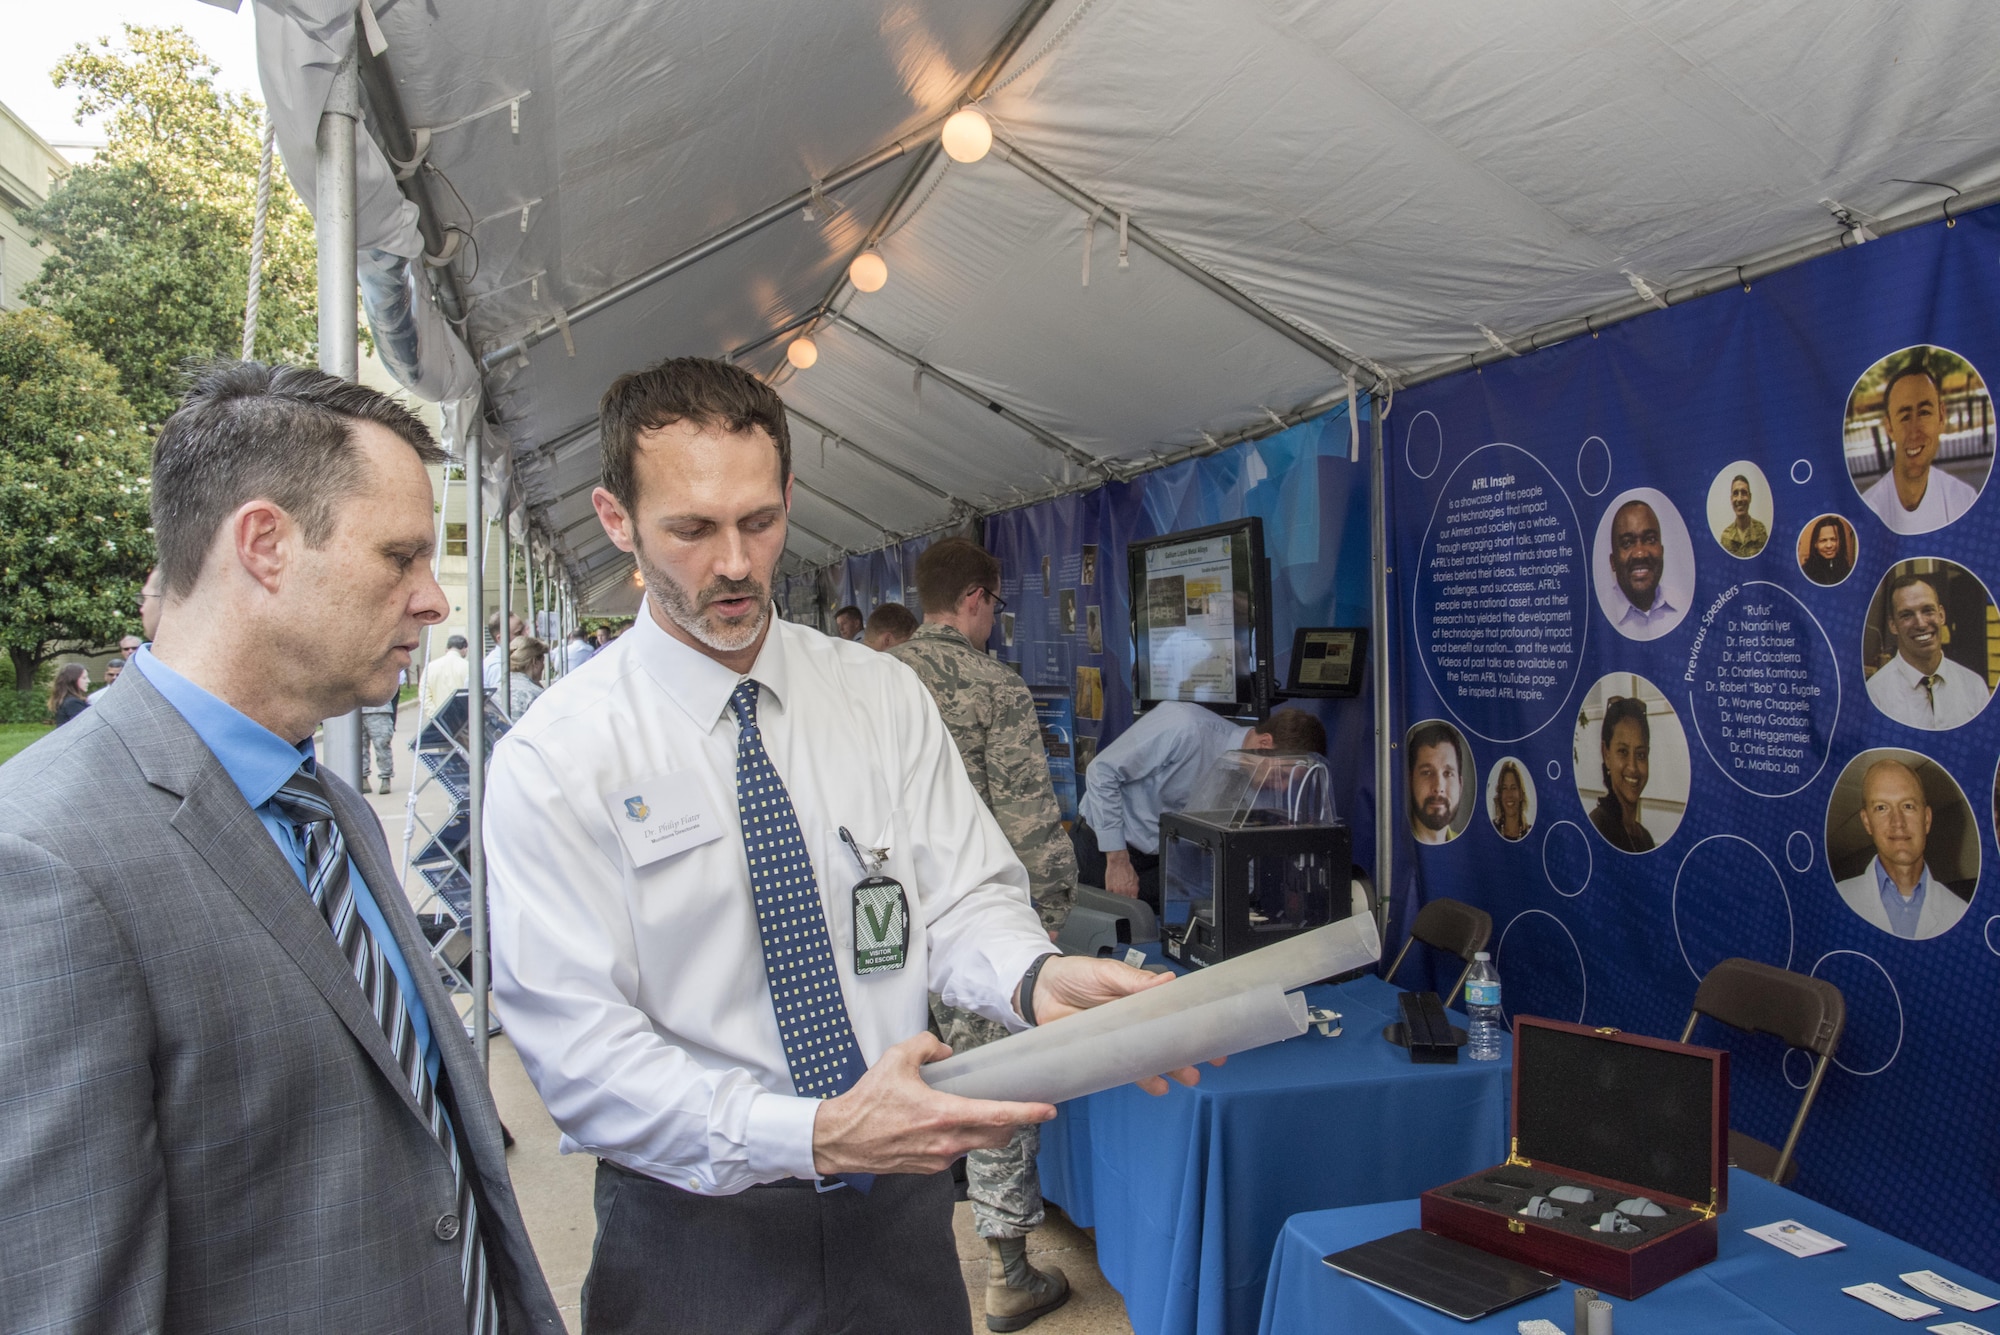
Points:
x=221, y=828
x=226, y=834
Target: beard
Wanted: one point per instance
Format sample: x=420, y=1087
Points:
x=1435, y=814
x=688, y=610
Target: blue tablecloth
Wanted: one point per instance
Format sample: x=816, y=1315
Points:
x=1188, y=1192
x=1751, y=1286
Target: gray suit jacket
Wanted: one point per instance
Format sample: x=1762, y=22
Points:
x=201, y=1126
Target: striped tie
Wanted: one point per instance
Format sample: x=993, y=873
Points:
x=303, y=801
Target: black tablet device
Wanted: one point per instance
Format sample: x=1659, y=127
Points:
x=1327, y=661
x=1442, y=1274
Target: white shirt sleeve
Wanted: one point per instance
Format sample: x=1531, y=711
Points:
x=565, y=977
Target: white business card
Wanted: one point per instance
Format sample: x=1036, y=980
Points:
x=1789, y=1235
x=1957, y=1328
x=1890, y=1301
x=1939, y=1289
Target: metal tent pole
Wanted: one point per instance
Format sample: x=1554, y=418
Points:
x=333, y=226
x=1378, y=527
x=475, y=724
x=505, y=635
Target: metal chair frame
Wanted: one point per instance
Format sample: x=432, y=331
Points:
x=1431, y=933
x=1823, y=1042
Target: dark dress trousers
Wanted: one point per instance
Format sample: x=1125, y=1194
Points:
x=201, y=1125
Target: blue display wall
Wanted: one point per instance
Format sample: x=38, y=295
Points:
x=1698, y=615
x=1314, y=504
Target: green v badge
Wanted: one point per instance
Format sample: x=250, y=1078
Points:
x=881, y=925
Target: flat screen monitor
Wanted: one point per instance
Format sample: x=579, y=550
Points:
x=1201, y=618
x=1327, y=662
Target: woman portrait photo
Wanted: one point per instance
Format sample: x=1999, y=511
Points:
x=1630, y=758
x=1828, y=548
x=1510, y=799
x=70, y=695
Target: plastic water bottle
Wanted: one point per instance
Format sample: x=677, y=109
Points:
x=1482, y=1008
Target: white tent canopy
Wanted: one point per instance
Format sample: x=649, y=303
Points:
x=1382, y=189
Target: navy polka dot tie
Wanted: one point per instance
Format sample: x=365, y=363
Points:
x=798, y=955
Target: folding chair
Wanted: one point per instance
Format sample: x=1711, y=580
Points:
x=1452, y=926
x=1806, y=1013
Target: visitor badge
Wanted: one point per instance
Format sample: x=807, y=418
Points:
x=881, y=925
x=666, y=814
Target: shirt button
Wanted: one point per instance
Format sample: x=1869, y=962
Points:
x=446, y=1227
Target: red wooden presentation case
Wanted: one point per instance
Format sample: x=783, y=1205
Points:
x=1620, y=1115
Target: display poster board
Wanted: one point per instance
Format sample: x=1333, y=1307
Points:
x=1695, y=640
x=1201, y=616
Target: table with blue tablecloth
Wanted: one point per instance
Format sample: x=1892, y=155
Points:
x=1188, y=1192
x=1751, y=1288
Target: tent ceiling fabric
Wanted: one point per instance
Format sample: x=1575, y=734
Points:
x=1388, y=176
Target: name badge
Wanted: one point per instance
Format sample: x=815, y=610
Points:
x=663, y=815
x=881, y=925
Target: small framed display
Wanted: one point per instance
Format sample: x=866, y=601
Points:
x=1327, y=662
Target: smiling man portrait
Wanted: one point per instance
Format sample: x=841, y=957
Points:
x=1920, y=686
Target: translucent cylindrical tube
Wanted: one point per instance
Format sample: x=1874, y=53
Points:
x=1215, y=1012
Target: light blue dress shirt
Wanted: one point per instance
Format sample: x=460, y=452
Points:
x=259, y=762
x=1904, y=914
x=1153, y=766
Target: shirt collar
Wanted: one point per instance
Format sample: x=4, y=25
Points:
x=698, y=684
x=257, y=760
x=1909, y=675
x=1661, y=607
x=1893, y=902
x=938, y=630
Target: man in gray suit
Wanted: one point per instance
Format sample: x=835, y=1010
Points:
x=233, y=1095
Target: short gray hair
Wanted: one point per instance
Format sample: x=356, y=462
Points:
x=281, y=433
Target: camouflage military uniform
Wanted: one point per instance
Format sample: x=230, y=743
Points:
x=991, y=717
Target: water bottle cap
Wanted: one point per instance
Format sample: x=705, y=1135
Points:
x=1481, y=955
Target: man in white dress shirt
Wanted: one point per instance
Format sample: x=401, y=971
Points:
x=1638, y=607
x=1914, y=497
x=1896, y=891
x=692, y=948
x=1920, y=686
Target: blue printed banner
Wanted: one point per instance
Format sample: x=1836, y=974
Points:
x=1695, y=641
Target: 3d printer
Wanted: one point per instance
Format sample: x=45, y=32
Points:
x=1258, y=857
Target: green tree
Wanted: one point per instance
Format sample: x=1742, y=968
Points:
x=150, y=241
x=75, y=537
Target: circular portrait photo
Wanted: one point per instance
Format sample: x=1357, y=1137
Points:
x=1739, y=509
x=1924, y=644
x=1643, y=561
x=1828, y=549
x=1442, y=781
x=1901, y=843
x=1631, y=763
x=1510, y=798
x=1919, y=438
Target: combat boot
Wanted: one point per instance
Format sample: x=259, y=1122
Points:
x=1017, y=1294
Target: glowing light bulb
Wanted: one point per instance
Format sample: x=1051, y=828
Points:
x=802, y=352
x=868, y=272
x=967, y=136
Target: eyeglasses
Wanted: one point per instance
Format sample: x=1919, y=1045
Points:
x=999, y=603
